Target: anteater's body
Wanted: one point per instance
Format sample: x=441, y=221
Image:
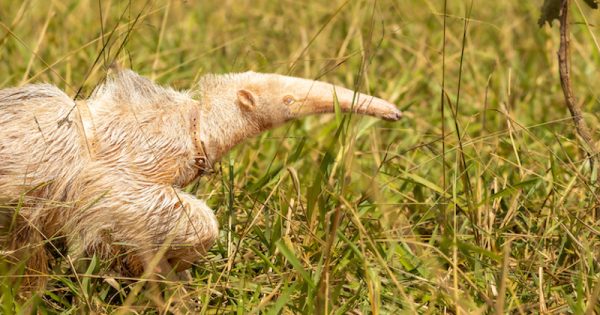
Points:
x=109, y=190
x=103, y=175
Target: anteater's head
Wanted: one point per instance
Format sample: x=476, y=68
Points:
x=238, y=106
x=279, y=98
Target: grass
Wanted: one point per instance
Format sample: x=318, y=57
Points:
x=485, y=209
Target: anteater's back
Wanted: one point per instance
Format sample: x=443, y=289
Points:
x=33, y=134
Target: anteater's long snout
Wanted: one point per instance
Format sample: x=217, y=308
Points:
x=313, y=97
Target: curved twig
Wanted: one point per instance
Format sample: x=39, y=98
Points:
x=564, y=64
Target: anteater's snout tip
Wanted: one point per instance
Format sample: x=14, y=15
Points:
x=393, y=115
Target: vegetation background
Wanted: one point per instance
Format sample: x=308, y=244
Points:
x=483, y=206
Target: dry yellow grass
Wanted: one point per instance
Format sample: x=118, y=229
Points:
x=325, y=214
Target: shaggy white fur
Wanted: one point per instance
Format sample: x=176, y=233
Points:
x=105, y=176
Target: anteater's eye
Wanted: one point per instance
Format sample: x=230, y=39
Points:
x=288, y=100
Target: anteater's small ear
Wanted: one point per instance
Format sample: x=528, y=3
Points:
x=246, y=100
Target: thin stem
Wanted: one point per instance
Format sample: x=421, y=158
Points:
x=564, y=66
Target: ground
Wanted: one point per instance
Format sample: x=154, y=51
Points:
x=484, y=205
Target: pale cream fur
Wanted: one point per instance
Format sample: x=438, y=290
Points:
x=123, y=200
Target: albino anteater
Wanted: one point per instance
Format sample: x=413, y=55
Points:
x=104, y=175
